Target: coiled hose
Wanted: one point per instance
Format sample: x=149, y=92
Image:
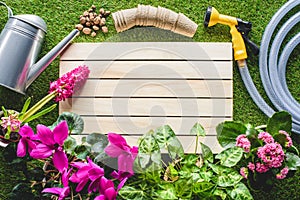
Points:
x=273, y=66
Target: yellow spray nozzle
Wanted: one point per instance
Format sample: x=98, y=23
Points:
x=212, y=17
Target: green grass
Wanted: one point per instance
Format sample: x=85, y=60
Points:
x=61, y=16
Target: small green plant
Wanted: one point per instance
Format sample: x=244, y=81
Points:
x=185, y=176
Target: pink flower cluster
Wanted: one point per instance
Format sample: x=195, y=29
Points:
x=11, y=121
x=266, y=137
x=282, y=173
x=271, y=154
x=243, y=142
x=244, y=172
x=289, y=141
x=70, y=82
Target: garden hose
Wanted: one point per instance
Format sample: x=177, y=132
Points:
x=273, y=66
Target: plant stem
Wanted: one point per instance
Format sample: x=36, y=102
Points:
x=196, y=147
x=261, y=127
x=38, y=106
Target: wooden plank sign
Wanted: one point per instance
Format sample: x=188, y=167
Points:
x=138, y=86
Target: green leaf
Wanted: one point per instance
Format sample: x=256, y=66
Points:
x=70, y=145
x=74, y=121
x=183, y=188
x=240, y=192
x=167, y=192
x=207, y=153
x=292, y=161
x=5, y=114
x=26, y=105
x=220, y=193
x=198, y=130
x=231, y=156
x=201, y=187
x=279, y=121
x=295, y=149
x=162, y=135
x=149, y=150
x=166, y=139
x=128, y=192
x=219, y=169
x=228, y=131
x=94, y=138
x=229, y=179
x=175, y=148
x=82, y=151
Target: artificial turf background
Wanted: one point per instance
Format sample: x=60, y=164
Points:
x=61, y=16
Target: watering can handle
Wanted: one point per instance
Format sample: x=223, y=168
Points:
x=9, y=11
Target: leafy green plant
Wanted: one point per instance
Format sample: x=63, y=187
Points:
x=184, y=176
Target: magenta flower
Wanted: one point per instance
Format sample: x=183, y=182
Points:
x=261, y=168
x=244, y=172
x=119, y=148
x=266, y=137
x=121, y=175
x=95, y=175
x=52, y=144
x=289, y=141
x=243, y=142
x=61, y=192
x=271, y=154
x=282, y=173
x=82, y=176
x=107, y=191
x=70, y=82
x=27, y=137
x=251, y=166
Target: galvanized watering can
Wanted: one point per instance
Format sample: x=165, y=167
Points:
x=20, y=44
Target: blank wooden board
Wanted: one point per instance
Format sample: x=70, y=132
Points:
x=138, y=86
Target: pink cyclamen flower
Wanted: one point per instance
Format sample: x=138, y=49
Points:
x=251, y=166
x=61, y=192
x=69, y=83
x=119, y=175
x=261, y=168
x=271, y=154
x=86, y=172
x=282, y=173
x=266, y=137
x=27, y=137
x=243, y=142
x=119, y=148
x=107, y=191
x=52, y=144
x=95, y=175
x=289, y=141
x=244, y=172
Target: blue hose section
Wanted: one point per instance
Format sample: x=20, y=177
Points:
x=273, y=66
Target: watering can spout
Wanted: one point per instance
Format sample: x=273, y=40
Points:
x=43, y=63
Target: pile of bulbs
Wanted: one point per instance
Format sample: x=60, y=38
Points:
x=90, y=22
